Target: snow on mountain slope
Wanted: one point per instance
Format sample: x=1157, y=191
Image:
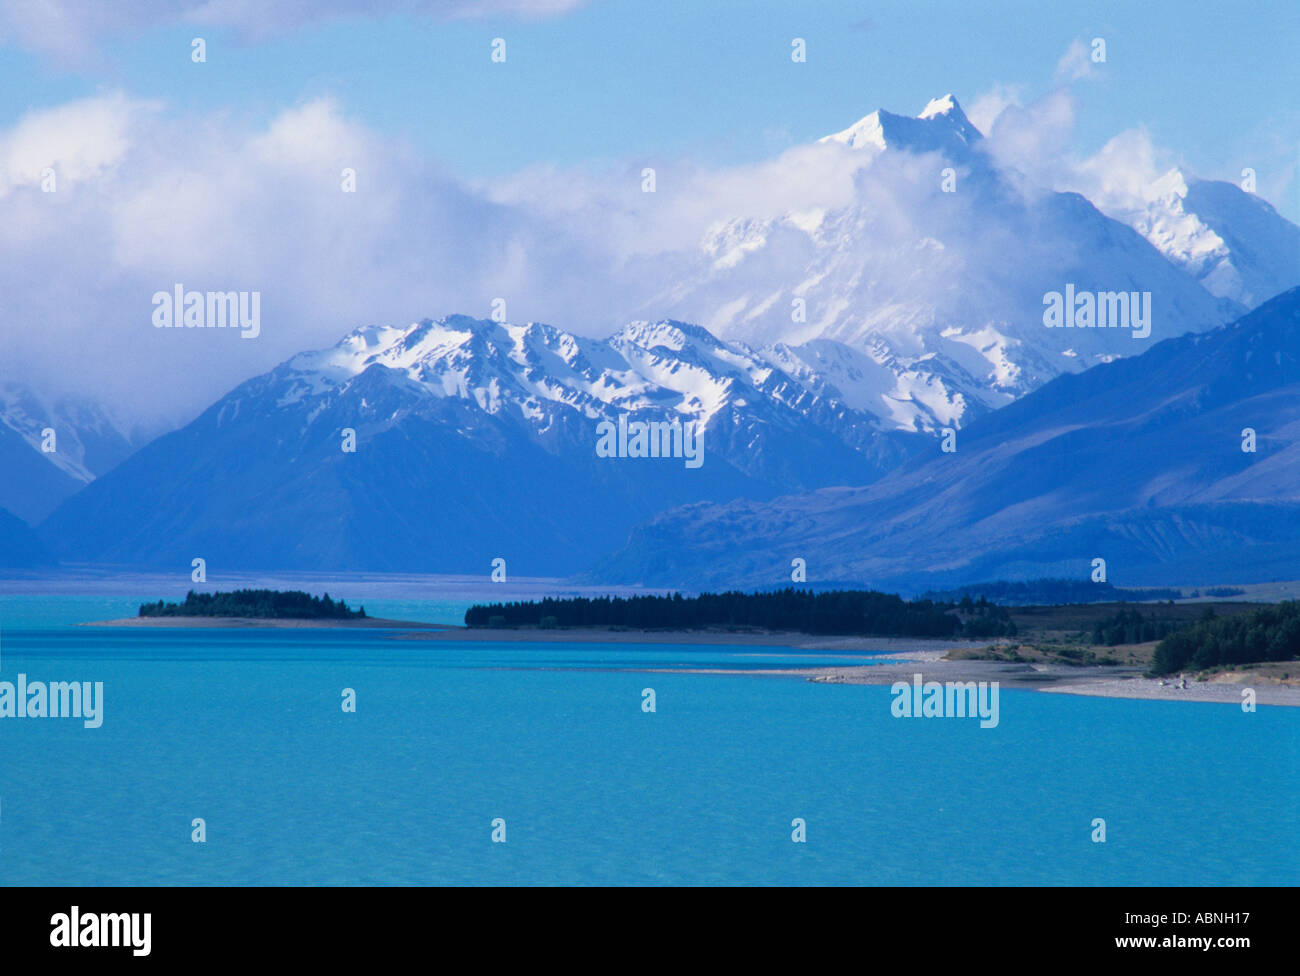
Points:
x=941, y=127
x=1179, y=465
x=935, y=275
x=924, y=397
x=830, y=337
x=474, y=439
x=87, y=441
x=1231, y=241
x=665, y=368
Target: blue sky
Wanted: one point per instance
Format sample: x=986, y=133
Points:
x=713, y=81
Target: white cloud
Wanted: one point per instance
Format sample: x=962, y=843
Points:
x=609, y=205
x=145, y=200
x=1118, y=176
x=1076, y=63
x=1036, y=139
x=78, y=140
x=986, y=107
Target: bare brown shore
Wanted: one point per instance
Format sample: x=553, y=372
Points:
x=893, y=658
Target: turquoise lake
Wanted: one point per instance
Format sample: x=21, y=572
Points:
x=245, y=730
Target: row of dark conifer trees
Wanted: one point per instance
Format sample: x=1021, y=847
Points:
x=805, y=611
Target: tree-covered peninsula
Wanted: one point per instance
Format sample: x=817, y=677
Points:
x=838, y=612
x=1263, y=634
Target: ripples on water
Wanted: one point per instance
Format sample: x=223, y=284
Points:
x=245, y=730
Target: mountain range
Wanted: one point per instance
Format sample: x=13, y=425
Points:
x=1182, y=464
x=837, y=347
x=51, y=448
x=922, y=299
x=474, y=439
x=1234, y=243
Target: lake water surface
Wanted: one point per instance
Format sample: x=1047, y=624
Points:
x=245, y=730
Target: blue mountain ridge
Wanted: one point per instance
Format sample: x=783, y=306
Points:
x=1138, y=462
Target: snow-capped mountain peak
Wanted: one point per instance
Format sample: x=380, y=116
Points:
x=667, y=367
x=935, y=274
x=427, y=436
x=941, y=127
x=944, y=105
x=1170, y=187
x=867, y=132
x=1236, y=245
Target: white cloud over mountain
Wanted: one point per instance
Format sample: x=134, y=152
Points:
x=144, y=200
x=147, y=198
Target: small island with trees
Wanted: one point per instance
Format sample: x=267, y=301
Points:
x=260, y=608
x=267, y=604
